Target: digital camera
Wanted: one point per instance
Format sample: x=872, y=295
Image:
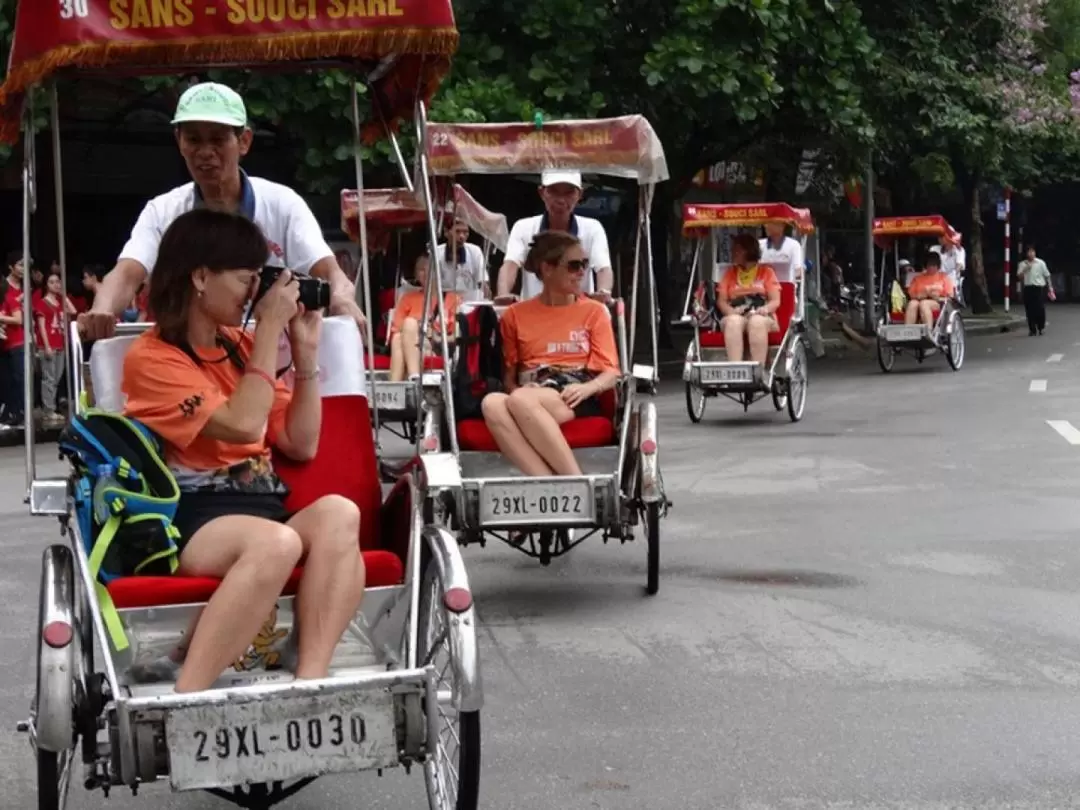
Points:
x=314, y=292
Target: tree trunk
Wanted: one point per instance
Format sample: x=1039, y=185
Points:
x=976, y=269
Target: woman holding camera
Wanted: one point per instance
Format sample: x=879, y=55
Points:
x=208, y=388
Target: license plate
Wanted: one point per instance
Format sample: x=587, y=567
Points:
x=526, y=502
x=727, y=374
x=905, y=333
x=275, y=740
x=390, y=397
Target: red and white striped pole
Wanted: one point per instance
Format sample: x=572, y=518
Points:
x=1008, y=246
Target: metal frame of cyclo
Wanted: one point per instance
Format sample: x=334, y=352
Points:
x=29, y=177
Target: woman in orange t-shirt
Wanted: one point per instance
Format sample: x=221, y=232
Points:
x=747, y=296
x=563, y=343
x=208, y=388
x=926, y=292
x=405, y=326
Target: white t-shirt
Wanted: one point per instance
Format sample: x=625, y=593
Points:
x=293, y=234
x=589, y=231
x=789, y=254
x=952, y=263
x=465, y=276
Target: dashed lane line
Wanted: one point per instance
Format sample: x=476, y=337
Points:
x=1065, y=429
x=1054, y=358
x=1037, y=386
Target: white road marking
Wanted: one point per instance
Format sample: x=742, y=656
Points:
x=1037, y=385
x=1054, y=358
x=1067, y=431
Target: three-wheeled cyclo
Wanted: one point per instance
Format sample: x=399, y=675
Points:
x=709, y=369
x=404, y=687
x=901, y=327
x=620, y=486
x=388, y=213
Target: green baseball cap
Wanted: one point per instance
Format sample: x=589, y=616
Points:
x=211, y=102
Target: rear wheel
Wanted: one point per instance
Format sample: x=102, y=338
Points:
x=797, y=380
x=695, y=402
x=652, y=537
x=453, y=765
x=886, y=356
x=779, y=394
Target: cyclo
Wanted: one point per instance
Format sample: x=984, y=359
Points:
x=894, y=336
x=617, y=450
x=405, y=686
x=707, y=371
x=390, y=212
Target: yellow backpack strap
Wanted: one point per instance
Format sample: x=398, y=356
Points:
x=109, y=614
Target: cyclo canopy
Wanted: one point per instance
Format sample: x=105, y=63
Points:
x=413, y=39
x=888, y=229
x=700, y=218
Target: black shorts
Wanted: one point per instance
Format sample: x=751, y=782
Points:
x=196, y=509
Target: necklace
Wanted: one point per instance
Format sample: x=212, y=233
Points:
x=747, y=276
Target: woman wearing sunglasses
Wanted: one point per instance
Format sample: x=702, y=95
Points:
x=558, y=356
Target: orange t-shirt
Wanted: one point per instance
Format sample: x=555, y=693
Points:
x=576, y=336
x=411, y=305
x=754, y=280
x=936, y=285
x=171, y=394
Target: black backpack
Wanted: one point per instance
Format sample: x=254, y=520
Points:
x=479, y=367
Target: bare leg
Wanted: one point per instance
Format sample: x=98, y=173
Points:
x=911, y=314
x=509, y=438
x=735, y=337
x=332, y=585
x=929, y=312
x=538, y=413
x=410, y=346
x=255, y=558
x=397, y=359
x=757, y=332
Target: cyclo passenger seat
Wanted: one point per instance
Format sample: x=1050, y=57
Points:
x=344, y=464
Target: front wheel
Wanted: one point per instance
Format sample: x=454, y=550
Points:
x=954, y=352
x=452, y=769
x=886, y=356
x=797, y=382
x=695, y=402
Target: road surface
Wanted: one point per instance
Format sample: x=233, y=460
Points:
x=874, y=608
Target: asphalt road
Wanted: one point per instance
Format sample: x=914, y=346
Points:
x=874, y=608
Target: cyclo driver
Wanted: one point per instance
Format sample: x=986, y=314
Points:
x=213, y=134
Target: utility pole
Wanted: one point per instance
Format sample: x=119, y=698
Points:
x=869, y=310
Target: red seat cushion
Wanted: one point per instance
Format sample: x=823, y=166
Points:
x=589, y=431
x=714, y=339
x=383, y=568
x=345, y=465
x=432, y=362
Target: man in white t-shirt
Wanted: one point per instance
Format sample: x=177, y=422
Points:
x=213, y=135
x=561, y=193
x=461, y=263
x=953, y=260
x=777, y=248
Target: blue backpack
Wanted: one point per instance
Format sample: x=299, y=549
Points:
x=125, y=500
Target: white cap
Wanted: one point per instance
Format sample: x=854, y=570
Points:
x=553, y=178
x=904, y=263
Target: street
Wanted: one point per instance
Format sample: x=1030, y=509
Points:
x=876, y=607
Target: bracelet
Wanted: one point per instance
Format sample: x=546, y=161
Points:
x=258, y=372
x=307, y=375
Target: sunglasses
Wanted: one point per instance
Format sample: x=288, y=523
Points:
x=577, y=265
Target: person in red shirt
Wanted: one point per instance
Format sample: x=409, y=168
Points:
x=49, y=318
x=13, y=345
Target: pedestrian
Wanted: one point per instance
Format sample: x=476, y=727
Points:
x=49, y=317
x=13, y=346
x=1035, y=277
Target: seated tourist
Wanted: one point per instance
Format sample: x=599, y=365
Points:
x=747, y=295
x=208, y=389
x=562, y=343
x=926, y=292
x=405, y=325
